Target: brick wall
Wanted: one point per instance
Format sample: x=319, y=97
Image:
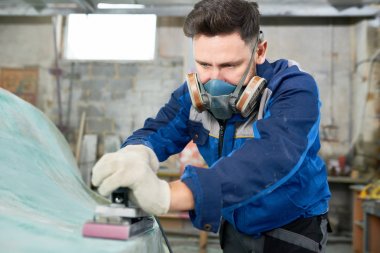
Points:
x=117, y=97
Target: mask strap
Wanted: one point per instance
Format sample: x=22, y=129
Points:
x=236, y=92
x=203, y=93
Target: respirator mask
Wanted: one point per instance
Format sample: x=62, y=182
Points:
x=223, y=99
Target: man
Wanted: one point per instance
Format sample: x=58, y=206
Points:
x=266, y=188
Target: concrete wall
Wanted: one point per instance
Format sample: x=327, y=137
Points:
x=119, y=96
x=366, y=99
x=326, y=49
x=29, y=42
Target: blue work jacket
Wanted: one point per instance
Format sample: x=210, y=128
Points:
x=264, y=171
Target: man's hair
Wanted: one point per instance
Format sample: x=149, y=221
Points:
x=213, y=17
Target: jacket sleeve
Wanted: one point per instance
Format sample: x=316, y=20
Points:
x=167, y=133
x=281, y=142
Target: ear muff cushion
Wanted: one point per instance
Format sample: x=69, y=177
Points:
x=195, y=93
x=249, y=99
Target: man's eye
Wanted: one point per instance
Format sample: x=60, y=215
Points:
x=204, y=65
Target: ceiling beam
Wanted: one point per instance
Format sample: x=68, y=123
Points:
x=36, y=4
x=267, y=10
x=87, y=5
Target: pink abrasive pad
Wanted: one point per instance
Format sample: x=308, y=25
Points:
x=107, y=231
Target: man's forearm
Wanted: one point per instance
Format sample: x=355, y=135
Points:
x=181, y=197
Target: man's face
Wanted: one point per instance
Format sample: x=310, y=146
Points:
x=223, y=57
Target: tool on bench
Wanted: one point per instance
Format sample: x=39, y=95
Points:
x=120, y=220
x=371, y=191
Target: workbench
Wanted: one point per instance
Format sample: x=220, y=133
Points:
x=366, y=223
x=371, y=226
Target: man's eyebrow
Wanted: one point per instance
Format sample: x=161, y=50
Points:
x=202, y=62
x=228, y=63
x=231, y=63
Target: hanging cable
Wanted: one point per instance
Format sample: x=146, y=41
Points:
x=163, y=234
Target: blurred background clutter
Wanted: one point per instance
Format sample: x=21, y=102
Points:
x=89, y=67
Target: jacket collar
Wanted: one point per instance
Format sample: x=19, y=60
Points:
x=265, y=70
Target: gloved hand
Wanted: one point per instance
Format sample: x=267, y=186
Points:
x=135, y=167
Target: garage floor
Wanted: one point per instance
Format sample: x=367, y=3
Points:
x=182, y=244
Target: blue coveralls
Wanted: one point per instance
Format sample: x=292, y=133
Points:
x=263, y=172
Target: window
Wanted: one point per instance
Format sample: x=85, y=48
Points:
x=110, y=37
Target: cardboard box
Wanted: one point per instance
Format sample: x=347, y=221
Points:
x=23, y=82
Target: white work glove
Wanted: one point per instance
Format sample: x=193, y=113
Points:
x=135, y=167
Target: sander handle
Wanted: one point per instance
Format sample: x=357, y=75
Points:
x=120, y=196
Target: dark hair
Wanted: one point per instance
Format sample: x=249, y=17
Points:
x=213, y=17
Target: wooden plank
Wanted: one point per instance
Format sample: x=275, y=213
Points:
x=374, y=232
x=87, y=158
x=80, y=136
x=203, y=237
x=357, y=230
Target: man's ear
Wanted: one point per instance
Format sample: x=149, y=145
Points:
x=261, y=52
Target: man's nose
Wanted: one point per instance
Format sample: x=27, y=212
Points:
x=215, y=73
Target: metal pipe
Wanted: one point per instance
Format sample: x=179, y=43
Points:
x=56, y=72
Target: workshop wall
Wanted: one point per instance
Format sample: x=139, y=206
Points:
x=28, y=42
x=116, y=96
x=329, y=49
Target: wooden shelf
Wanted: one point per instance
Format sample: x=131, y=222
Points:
x=360, y=224
x=168, y=172
x=346, y=180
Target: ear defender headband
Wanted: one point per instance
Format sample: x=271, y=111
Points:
x=244, y=103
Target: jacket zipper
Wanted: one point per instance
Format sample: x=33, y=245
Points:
x=222, y=128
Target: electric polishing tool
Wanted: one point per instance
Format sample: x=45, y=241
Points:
x=120, y=221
